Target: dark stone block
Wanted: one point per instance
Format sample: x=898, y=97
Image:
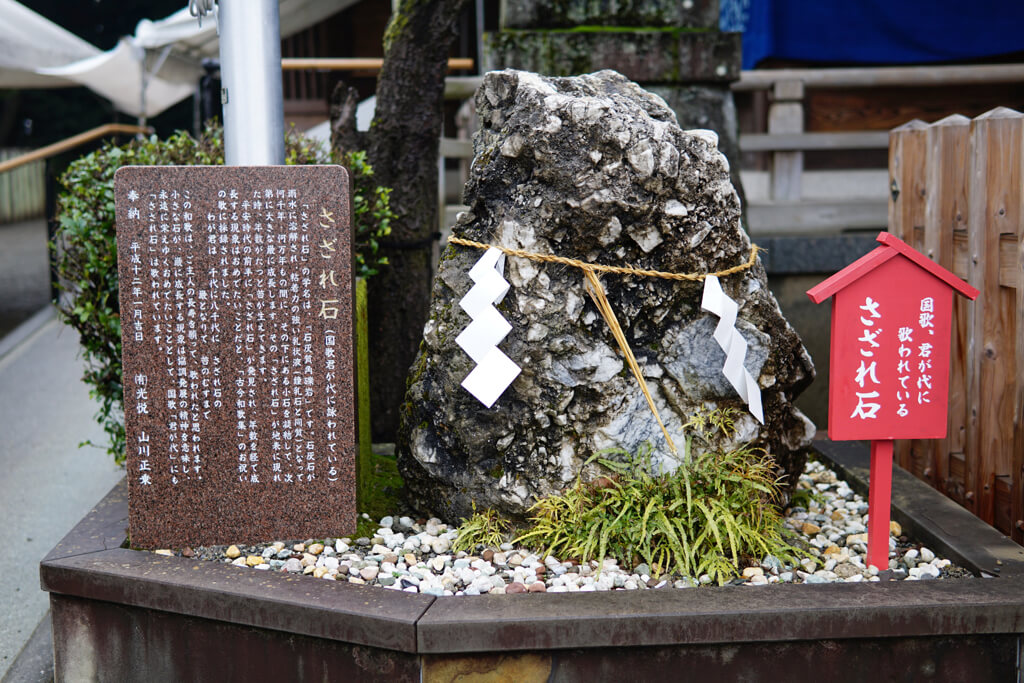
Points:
x=727, y=614
x=111, y=642
x=806, y=255
x=269, y=600
x=588, y=13
x=965, y=658
x=646, y=57
x=236, y=308
x=103, y=528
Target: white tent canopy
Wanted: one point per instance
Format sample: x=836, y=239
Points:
x=146, y=73
x=29, y=42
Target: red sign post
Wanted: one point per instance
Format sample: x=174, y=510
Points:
x=891, y=327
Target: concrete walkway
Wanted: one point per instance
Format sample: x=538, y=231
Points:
x=24, y=272
x=47, y=483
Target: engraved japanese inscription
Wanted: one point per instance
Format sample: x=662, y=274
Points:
x=236, y=310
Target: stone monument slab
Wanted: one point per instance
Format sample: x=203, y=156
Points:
x=236, y=309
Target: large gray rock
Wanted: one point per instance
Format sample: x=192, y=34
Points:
x=593, y=168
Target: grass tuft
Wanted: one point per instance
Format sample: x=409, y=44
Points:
x=487, y=528
x=713, y=515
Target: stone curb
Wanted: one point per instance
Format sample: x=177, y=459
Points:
x=21, y=333
x=89, y=564
x=34, y=664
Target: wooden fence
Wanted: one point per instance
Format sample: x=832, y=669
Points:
x=956, y=196
x=22, y=191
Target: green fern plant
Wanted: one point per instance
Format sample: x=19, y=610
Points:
x=707, y=517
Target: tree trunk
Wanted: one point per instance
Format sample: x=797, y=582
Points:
x=403, y=143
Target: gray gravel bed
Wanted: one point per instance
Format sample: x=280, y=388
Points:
x=415, y=555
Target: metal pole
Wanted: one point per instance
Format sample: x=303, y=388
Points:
x=250, y=64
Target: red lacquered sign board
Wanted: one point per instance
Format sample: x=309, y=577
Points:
x=889, y=377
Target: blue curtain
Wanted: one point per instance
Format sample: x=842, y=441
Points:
x=874, y=31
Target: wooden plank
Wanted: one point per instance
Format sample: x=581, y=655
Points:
x=451, y=148
x=907, y=171
x=6, y=195
x=920, y=460
x=832, y=185
x=1017, y=483
x=1003, y=505
x=960, y=258
x=364, y=453
x=956, y=478
x=814, y=215
x=993, y=209
x=461, y=87
x=833, y=109
x=758, y=142
x=786, y=115
x=357, y=63
x=945, y=215
x=876, y=77
x=72, y=142
x=1009, y=265
x=903, y=142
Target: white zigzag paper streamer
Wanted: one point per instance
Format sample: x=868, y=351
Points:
x=734, y=345
x=494, y=370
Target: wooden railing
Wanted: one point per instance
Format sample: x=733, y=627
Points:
x=72, y=142
x=23, y=173
x=357, y=63
x=785, y=206
x=956, y=196
x=882, y=76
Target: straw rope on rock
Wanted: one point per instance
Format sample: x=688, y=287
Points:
x=593, y=287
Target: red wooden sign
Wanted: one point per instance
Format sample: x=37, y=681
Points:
x=889, y=377
x=891, y=324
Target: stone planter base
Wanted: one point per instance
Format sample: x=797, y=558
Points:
x=121, y=615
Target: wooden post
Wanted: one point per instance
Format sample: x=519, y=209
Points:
x=1017, y=486
x=364, y=453
x=908, y=152
x=945, y=218
x=786, y=115
x=1017, y=483
x=994, y=209
x=879, y=497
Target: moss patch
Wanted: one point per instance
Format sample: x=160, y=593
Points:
x=385, y=494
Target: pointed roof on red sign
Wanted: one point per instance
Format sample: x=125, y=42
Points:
x=893, y=246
